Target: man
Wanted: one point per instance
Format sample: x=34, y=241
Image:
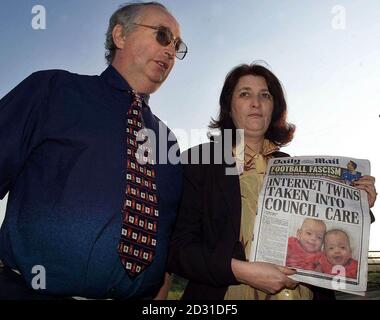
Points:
x=66, y=160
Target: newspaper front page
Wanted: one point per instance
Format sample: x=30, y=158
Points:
x=311, y=218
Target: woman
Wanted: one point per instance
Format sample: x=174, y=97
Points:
x=215, y=222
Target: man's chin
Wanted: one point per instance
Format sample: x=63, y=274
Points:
x=158, y=77
x=162, y=78
x=152, y=87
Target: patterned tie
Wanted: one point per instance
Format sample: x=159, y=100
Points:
x=140, y=211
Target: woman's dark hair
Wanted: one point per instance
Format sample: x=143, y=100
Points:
x=279, y=131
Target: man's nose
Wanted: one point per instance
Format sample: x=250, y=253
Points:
x=170, y=50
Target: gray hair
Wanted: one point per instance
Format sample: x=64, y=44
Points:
x=126, y=15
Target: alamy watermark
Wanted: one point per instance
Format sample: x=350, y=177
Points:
x=39, y=280
x=39, y=18
x=336, y=282
x=338, y=21
x=227, y=149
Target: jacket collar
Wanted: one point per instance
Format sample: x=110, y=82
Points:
x=230, y=186
x=112, y=77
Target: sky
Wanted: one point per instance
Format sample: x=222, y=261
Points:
x=326, y=54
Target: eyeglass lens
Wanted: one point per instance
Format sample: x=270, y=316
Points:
x=165, y=37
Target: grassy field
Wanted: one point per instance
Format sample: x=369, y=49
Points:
x=177, y=287
x=373, y=280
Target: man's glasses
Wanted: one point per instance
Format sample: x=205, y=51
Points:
x=165, y=37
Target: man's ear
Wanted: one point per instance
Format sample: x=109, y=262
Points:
x=298, y=233
x=118, y=36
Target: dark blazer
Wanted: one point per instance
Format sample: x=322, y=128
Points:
x=206, y=236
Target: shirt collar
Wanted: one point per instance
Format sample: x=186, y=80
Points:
x=116, y=80
x=268, y=148
x=247, y=159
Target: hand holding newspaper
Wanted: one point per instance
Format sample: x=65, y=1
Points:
x=312, y=219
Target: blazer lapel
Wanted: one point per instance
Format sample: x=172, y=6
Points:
x=230, y=188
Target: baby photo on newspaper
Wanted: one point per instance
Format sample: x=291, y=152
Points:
x=312, y=218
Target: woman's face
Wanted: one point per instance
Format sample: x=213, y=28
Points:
x=252, y=106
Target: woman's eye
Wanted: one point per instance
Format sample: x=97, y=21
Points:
x=266, y=95
x=244, y=94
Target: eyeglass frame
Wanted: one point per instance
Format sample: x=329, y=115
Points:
x=168, y=32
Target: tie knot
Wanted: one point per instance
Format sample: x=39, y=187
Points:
x=136, y=98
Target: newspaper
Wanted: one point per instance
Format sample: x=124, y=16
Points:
x=311, y=218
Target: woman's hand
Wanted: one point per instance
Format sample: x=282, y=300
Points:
x=162, y=294
x=264, y=276
x=367, y=183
